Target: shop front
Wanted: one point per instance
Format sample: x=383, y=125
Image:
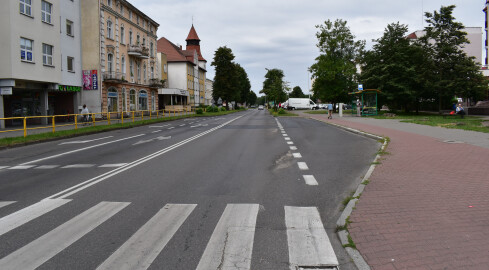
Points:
x=171, y=99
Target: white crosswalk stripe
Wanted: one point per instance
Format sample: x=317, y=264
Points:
x=5, y=203
x=309, y=245
x=231, y=242
x=45, y=247
x=29, y=213
x=230, y=246
x=143, y=247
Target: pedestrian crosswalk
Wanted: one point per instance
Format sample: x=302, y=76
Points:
x=230, y=245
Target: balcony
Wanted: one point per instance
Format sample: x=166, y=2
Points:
x=138, y=51
x=113, y=76
x=156, y=83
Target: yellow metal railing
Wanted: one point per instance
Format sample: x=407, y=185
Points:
x=91, y=119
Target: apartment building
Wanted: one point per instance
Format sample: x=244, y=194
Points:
x=186, y=71
x=40, y=72
x=120, y=65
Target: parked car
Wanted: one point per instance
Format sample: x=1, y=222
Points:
x=260, y=107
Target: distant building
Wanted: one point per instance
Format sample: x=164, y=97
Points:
x=208, y=91
x=186, y=71
x=40, y=71
x=474, y=48
x=120, y=69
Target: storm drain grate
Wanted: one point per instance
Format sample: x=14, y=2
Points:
x=317, y=268
x=452, y=141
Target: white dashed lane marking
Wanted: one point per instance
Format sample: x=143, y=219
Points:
x=21, y=167
x=171, y=127
x=78, y=166
x=287, y=138
x=310, y=180
x=293, y=147
x=112, y=165
x=47, y=167
x=297, y=155
x=290, y=142
x=302, y=166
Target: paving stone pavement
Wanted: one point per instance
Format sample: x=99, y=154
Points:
x=427, y=203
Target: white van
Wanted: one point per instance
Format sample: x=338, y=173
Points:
x=301, y=103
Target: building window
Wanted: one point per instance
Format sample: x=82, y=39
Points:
x=143, y=100
x=112, y=100
x=153, y=104
x=109, y=3
x=123, y=65
x=137, y=39
x=130, y=14
x=144, y=23
x=165, y=68
x=131, y=68
x=122, y=9
x=26, y=49
x=152, y=72
x=25, y=7
x=124, y=100
x=132, y=100
x=144, y=41
x=47, y=54
x=151, y=49
x=138, y=66
x=137, y=19
x=46, y=9
x=123, y=37
x=130, y=37
x=69, y=28
x=109, y=30
x=70, y=64
x=110, y=63
x=144, y=72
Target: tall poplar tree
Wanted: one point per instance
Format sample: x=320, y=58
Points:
x=224, y=85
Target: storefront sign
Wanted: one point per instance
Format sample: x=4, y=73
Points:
x=90, y=80
x=69, y=88
x=4, y=91
x=112, y=94
x=143, y=95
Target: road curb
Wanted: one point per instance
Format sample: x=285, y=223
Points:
x=343, y=234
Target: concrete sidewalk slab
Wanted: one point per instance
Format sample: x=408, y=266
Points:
x=426, y=206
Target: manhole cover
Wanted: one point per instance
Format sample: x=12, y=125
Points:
x=452, y=141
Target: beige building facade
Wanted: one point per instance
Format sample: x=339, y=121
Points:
x=120, y=64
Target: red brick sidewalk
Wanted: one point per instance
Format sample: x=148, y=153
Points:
x=426, y=206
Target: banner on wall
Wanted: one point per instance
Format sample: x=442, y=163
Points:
x=90, y=80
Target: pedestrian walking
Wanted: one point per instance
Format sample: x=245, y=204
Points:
x=330, y=111
x=85, y=114
x=359, y=107
x=460, y=110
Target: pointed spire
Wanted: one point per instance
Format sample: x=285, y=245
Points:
x=192, y=35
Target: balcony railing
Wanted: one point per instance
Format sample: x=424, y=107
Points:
x=114, y=76
x=156, y=83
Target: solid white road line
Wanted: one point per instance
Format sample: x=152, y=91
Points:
x=297, y=155
x=310, y=180
x=112, y=165
x=47, y=167
x=3, y=167
x=309, y=245
x=29, y=213
x=293, y=147
x=81, y=186
x=302, y=166
x=81, y=149
x=21, y=167
x=290, y=142
x=74, y=166
x=5, y=203
x=85, y=141
x=144, y=246
x=45, y=247
x=231, y=242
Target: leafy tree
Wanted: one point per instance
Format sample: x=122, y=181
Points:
x=251, y=98
x=453, y=72
x=297, y=93
x=394, y=65
x=261, y=100
x=334, y=71
x=243, y=84
x=224, y=85
x=273, y=86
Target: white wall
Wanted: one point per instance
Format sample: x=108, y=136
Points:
x=177, y=75
x=71, y=45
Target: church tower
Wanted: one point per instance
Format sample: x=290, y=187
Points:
x=193, y=42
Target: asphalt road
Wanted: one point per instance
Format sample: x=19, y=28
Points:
x=241, y=191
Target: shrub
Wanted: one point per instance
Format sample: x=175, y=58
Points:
x=199, y=111
x=209, y=109
x=223, y=109
x=281, y=111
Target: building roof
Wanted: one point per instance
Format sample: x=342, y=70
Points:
x=192, y=35
x=173, y=52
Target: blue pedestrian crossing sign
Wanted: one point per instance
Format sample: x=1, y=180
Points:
x=360, y=87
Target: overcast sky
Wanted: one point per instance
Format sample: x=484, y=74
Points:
x=281, y=33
